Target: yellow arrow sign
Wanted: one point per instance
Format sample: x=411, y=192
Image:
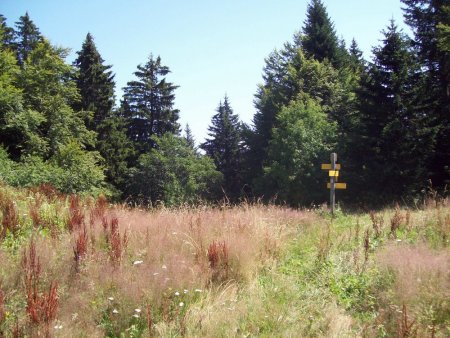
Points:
x=327, y=166
x=333, y=173
x=338, y=185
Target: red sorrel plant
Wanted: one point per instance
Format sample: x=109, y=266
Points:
x=76, y=215
x=396, y=221
x=377, y=223
x=405, y=327
x=218, y=261
x=118, y=244
x=10, y=221
x=41, y=308
x=80, y=248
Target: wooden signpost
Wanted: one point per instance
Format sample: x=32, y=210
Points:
x=333, y=172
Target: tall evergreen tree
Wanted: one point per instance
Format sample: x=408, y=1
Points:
x=7, y=33
x=320, y=40
x=148, y=105
x=396, y=137
x=428, y=19
x=27, y=37
x=95, y=82
x=190, y=140
x=224, y=147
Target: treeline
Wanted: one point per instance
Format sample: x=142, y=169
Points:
x=388, y=119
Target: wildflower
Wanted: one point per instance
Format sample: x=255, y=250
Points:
x=136, y=315
x=137, y=310
x=111, y=298
x=174, y=233
x=155, y=273
x=181, y=304
x=138, y=262
x=58, y=327
x=115, y=311
x=164, y=267
x=177, y=293
x=186, y=291
x=198, y=290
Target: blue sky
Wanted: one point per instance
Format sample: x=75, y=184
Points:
x=212, y=47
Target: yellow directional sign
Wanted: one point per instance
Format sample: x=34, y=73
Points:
x=327, y=166
x=333, y=173
x=338, y=185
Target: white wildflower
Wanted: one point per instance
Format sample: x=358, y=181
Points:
x=164, y=267
x=177, y=293
x=111, y=298
x=181, y=304
x=115, y=311
x=138, y=262
x=137, y=310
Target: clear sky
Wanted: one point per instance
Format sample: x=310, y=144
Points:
x=212, y=47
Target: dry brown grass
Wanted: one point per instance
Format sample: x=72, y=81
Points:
x=166, y=257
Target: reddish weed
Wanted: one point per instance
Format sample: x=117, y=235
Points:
x=117, y=244
x=76, y=215
x=10, y=221
x=396, y=221
x=41, y=308
x=377, y=223
x=406, y=327
x=218, y=260
x=80, y=248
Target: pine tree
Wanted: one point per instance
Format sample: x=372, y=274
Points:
x=190, y=140
x=27, y=37
x=7, y=37
x=396, y=138
x=148, y=105
x=320, y=40
x=428, y=19
x=224, y=147
x=95, y=82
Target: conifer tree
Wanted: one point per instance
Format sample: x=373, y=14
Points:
x=320, y=40
x=148, y=105
x=95, y=82
x=428, y=20
x=7, y=33
x=190, y=140
x=27, y=37
x=224, y=147
x=396, y=137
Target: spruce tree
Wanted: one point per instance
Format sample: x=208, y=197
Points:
x=95, y=82
x=148, y=105
x=7, y=33
x=190, y=140
x=27, y=37
x=396, y=138
x=428, y=20
x=224, y=147
x=320, y=40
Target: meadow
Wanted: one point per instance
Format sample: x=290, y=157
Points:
x=74, y=266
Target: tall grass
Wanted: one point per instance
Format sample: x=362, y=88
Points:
x=82, y=267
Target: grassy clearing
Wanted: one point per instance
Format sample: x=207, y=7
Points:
x=83, y=268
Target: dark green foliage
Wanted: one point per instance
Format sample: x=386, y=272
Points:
x=302, y=139
x=7, y=33
x=320, y=40
x=148, y=105
x=430, y=21
x=396, y=138
x=27, y=37
x=224, y=147
x=95, y=83
x=173, y=174
x=116, y=149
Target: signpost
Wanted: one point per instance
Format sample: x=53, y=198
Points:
x=333, y=172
